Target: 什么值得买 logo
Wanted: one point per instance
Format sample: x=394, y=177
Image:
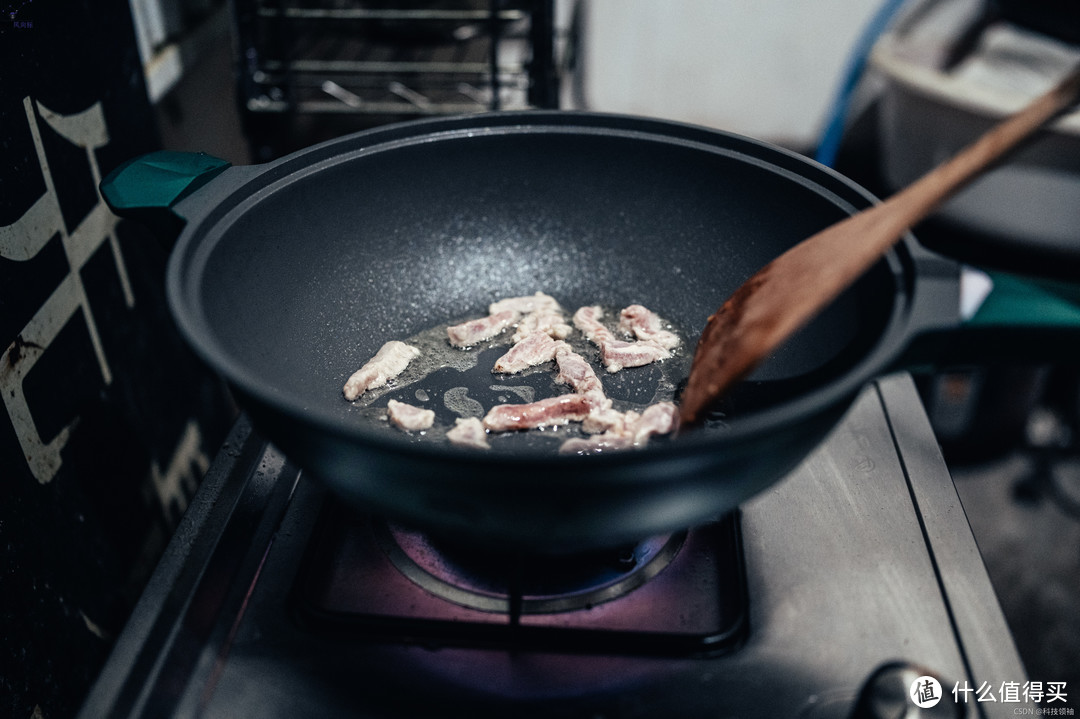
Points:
x=925, y=692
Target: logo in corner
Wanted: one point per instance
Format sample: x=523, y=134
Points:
x=925, y=692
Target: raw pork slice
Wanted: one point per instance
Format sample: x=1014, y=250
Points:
x=587, y=319
x=548, y=412
x=615, y=353
x=524, y=305
x=635, y=431
x=597, y=444
x=576, y=371
x=618, y=354
x=542, y=313
x=468, y=432
x=469, y=333
x=656, y=419
x=603, y=418
x=409, y=417
x=549, y=322
x=390, y=361
x=645, y=324
x=536, y=349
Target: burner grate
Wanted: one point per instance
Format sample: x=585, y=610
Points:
x=515, y=583
x=673, y=595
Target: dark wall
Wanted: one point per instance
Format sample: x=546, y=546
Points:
x=107, y=422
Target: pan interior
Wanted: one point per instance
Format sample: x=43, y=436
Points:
x=304, y=280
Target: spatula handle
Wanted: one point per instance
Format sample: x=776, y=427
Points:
x=792, y=289
x=923, y=196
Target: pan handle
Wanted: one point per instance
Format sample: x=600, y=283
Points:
x=1005, y=318
x=146, y=188
x=1025, y=316
x=1014, y=301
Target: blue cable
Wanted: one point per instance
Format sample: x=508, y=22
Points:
x=834, y=129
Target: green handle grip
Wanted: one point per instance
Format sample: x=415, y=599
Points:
x=146, y=188
x=1022, y=302
x=1004, y=319
x=1022, y=319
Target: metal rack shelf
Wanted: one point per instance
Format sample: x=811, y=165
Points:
x=360, y=13
x=368, y=63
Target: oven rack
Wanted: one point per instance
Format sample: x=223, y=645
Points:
x=307, y=68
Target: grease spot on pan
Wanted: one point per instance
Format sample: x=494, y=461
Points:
x=458, y=401
x=524, y=392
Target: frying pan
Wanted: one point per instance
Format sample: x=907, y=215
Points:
x=288, y=276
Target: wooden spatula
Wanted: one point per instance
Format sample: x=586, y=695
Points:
x=789, y=291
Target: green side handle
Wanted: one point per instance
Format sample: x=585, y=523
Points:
x=1023, y=319
x=146, y=188
x=1019, y=302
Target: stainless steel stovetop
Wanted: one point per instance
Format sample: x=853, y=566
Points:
x=860, y=559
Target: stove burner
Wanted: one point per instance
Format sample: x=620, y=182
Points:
x=509, y=583
x=680, y=594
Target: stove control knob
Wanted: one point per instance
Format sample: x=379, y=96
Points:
x=900, y=690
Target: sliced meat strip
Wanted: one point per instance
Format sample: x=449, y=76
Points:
x=618, y=354
x=542, y=413
x=576, y=371
x=469, y=333
x=536, y=349
x=587, y=319
x=549, y=322
x=615, y=353
x=390, y=361
x=596, y=444
x=619, y=435
x=645, y=324
x=603, y=418
x=525, y=305
x=637, y=429
x=468, y=432
x=656, y=419
x=408, y=417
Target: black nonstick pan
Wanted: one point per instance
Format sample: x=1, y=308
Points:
x=288, y=276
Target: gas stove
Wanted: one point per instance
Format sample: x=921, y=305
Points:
x=822, y=597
